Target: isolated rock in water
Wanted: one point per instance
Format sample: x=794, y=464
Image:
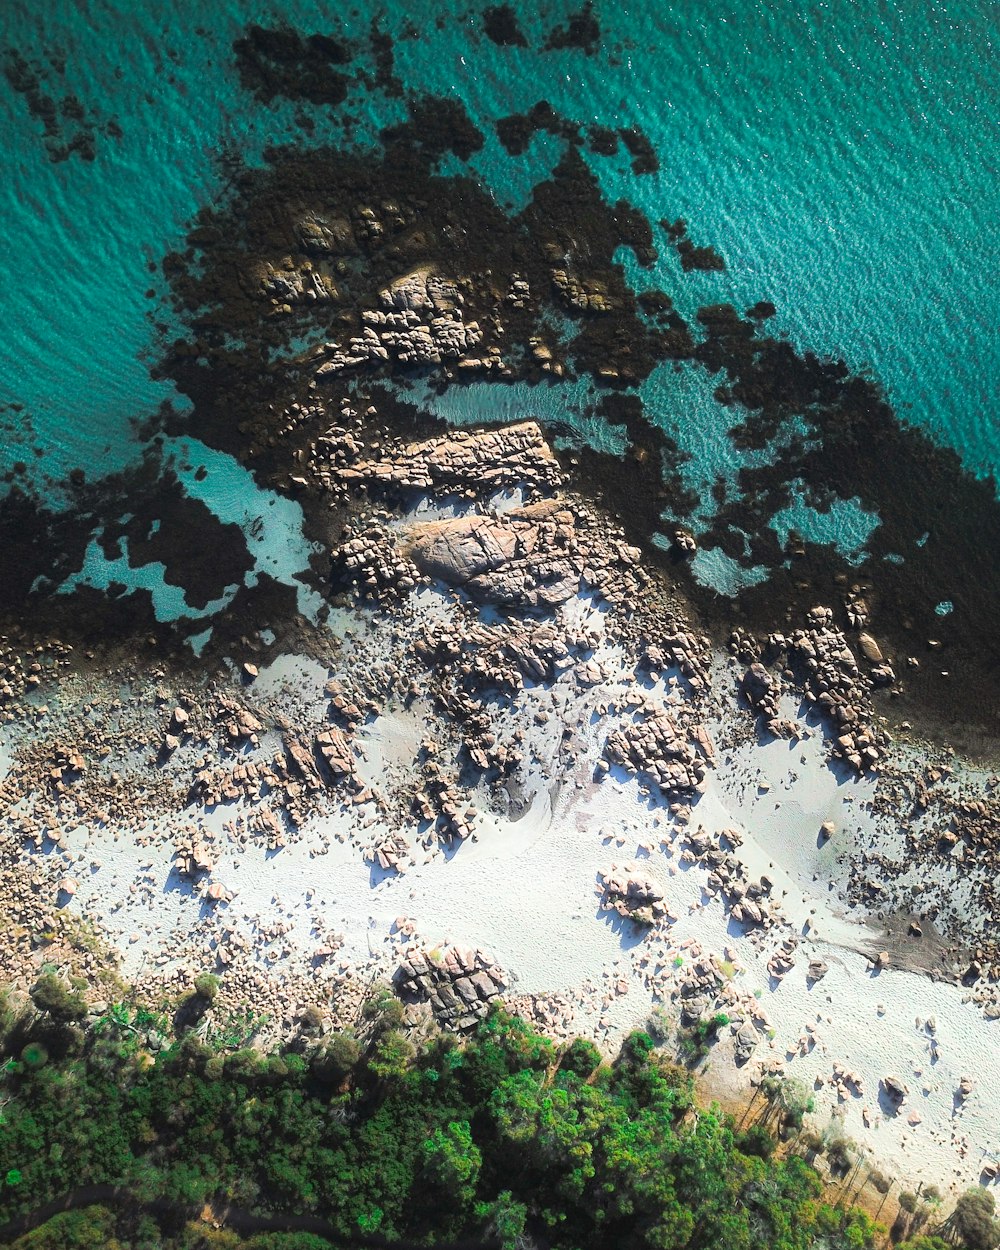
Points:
x=685, y=543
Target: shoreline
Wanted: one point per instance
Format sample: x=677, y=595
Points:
x=344, y=878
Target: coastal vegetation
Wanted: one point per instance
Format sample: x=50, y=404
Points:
x=506, y=1137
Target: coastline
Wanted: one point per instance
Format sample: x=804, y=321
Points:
x=448, y=700
x=327, y=882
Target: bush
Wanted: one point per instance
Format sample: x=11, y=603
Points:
x=383, y=1010
x=581, y=1057
x=974, y=1222
x=756, y=1141
x=880, y=1181
x=841, y=1153
x=336, y=1059
x=206, y=986
x=55, y=998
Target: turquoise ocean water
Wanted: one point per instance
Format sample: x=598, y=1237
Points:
x=842, y=157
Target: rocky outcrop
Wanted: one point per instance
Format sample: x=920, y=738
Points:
x=301, y=284
x=522, y=558
x=633, y=895
x=459, y=984
x=419, y=320
x=192, y=857
x=587, y=295
x=471, y=462
x=677, y=760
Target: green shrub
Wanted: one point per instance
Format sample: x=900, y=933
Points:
x=53, y=997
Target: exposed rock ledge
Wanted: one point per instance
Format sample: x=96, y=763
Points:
x=522, y=558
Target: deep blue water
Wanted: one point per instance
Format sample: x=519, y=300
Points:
x=842, y=157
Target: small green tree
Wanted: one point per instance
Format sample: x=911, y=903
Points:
x=503, y=1219
x=451, y=1161
x=974, y=1220
x=391, y=1055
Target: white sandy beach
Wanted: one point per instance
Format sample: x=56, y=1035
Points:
x=527, y=890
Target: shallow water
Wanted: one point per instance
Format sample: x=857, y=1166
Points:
x=845, y=167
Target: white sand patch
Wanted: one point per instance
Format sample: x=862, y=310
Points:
x=525, y=888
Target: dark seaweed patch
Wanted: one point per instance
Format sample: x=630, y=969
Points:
x=68, y=128
x=581, y=30
x=644, y=158
x=602, y=140
x=276, y=62
x=691, y=257
x=436, y=126
x=385, y=60
x=502, y=27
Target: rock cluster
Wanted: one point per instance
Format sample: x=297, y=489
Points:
x=677, y=760
x=370, y=561
x=459, y=984
x=846, y=1083
x=472, y=462
x=192, y=855
x=305, y=283
x=441, y=801
x=895, y=1091
x=782, y=960
x=698, y=989
x=632, y=894
x=833, y=682
x=22, y=671
x=677, y=647
x=419, y=321
x=582, y=294
x=747, y=899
